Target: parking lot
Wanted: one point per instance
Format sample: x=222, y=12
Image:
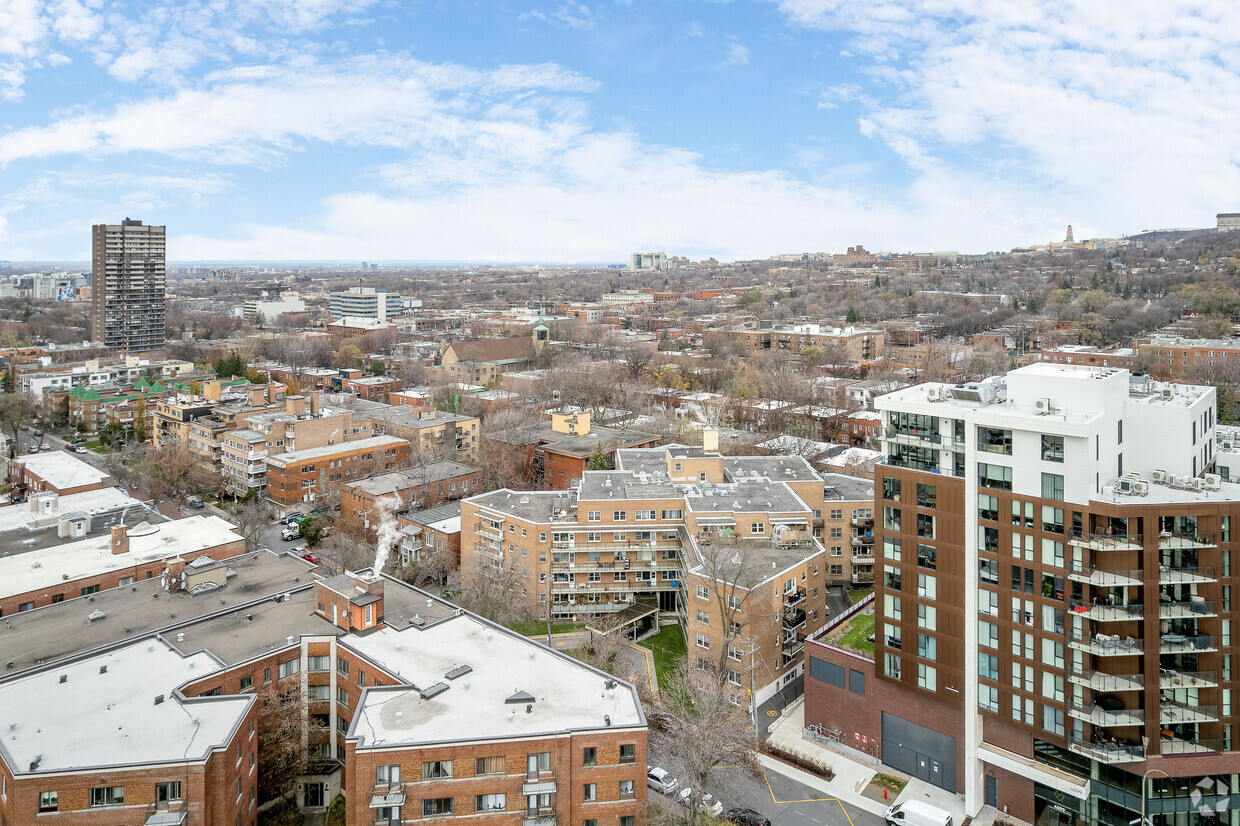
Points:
x=786, y=801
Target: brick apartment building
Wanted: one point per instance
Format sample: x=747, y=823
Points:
x=363, y=502
x=555, y=453
x=55, y=471
x=395, y=692
x=314, y=474
x=1051, y=613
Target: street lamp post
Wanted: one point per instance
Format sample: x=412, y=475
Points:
x=1144, y=779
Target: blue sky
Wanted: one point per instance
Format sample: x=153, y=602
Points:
x=519, y=130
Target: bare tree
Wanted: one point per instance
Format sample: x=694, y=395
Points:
x=16, y=411
x=492, y=588
x=252, y=516
x=728, y=567
x=706, y=728
x=636, y=357
x=281, y=759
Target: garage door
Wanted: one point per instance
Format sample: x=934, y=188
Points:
x=919, y=752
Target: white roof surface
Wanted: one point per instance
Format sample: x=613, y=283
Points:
x=61, y=470
x=285, y=459
x=91, y=502
x=98, y=719
x=567, y=694
x=48, y=568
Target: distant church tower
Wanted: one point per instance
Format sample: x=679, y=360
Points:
x=541, y=334
x=1068, y=239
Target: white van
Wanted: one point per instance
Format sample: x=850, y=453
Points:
x=916, y=813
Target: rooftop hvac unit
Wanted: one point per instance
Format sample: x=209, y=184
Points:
x=1125, y=486
x=1211, y=481
x=1167, y=392
x=1225, y=446
x=1043, y=406
x=1140, y=488
x=1159, y=475
x=934, y=393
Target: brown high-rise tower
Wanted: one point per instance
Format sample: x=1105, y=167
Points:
x=127, y=286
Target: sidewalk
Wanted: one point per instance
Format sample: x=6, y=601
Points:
x=853, y=772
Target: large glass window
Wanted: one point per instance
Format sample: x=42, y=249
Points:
x=996, y=477
x=915, y=424
x=1052, y=519
x=917, y=458
x=927, y=495
x=1052, y=448
x=891, y=489
x=925, y=526
x=1052, y=486
x=435, y=806
x=891, y=519
x=926, y=556
x=994, y=440
x=987, y=666
x=987, y=507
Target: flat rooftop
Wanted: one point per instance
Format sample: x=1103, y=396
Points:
x=533, y=506
x=312, y=453
x=841, y=487
x=400, y=480
x=60, y=469
x=509, y=674
x=49, y=568
x=78, y=715
x=54, y=632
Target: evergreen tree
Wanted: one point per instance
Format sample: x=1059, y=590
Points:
x=853, y=316
x=599, y=460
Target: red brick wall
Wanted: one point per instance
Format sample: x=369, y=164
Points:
x=857, y=717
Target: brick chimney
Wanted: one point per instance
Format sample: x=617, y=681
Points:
x=314, y=403
x=120, y=539
x=295, y=405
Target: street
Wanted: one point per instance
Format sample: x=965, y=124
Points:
x=787, y=802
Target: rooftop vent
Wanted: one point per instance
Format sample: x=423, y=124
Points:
x=64, y=678
x=159, y=699
x=103, y=669
x=459, y=671
x=95, y=616
x=433, y=690
x=416, y=620
x=520, y=698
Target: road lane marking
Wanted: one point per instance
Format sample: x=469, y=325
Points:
x=836, y=800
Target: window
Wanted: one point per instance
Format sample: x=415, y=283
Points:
x=247, y=682
x=994, y=440
x=927, y=676
x=735, y=602
x=628, y=753
x=490, y=802
x=589, y=756
x=927, y=495
x=289, y=668
x=987, y=666
x=703, y=641
x=318, y=692
x=628, y=820
x=388, y=774
x=1052, y=486
x=620, y=516
x=644, y=515
x=626, y=790
x=702, y=617
x=491, y=765
x=735, y=653
x=757, y=527
x=673, y=514
x=891, y=666
x=703, y=592
x=1052, y=519
x=996, y=477
x=266, y=675
x=589, y=792
x=436, y=806
x=925, y=526
x=361, y=677
x=342, y=696
x=318, y=663
x=927, y=586
x=928, y=617
x=437, y=770
x=167, y=792
x=891, y=547
x=927, y=647
x=926, y=556
x=987, y=507
x=891, y=519
x=342, y=665
x=48, y=802
x=1052, y=448
x=891, y=489
x=988, y=698
x=107, y=796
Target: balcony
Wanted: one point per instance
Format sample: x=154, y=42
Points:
x=1104, y=578
x=794, y=599
x=1175, y=680
x=1101, y=681
x=1184, y=573
x=1104, y=645
x=1105, y=541
x=1175, y=542
x=1171, y=713
x=489, y=532
x=487, y=551
x=1195, y=608
x=1174, y=745
x=1184, y=644
x=862, y=559
x=538, y=783
x=1106, y=613
x=1099, y=716
x=539, y=817
x=912, y=437
x=172, y=813
x=863, y=522
x=793, y=649
x=1110, y=753
x=863, y=577
x=864, y=539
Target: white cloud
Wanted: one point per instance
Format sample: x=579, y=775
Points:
x=251, y=115
x=1118, y=111
x=735, y=53
x=572, y=15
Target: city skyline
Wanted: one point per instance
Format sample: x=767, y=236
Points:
x=566, y=132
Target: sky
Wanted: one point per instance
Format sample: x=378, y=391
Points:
x=523, y=130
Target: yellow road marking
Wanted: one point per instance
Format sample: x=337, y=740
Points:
x=835, y=800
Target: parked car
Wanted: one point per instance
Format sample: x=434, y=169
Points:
x=79, y=449
x=300, y=550
x=45, y=446
x=706, y=802
x=661, y=780
x=290, y=533
x=196, y=502
x=290, y=518
x=311, y=556
x=33, y=449
x=747, y=817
